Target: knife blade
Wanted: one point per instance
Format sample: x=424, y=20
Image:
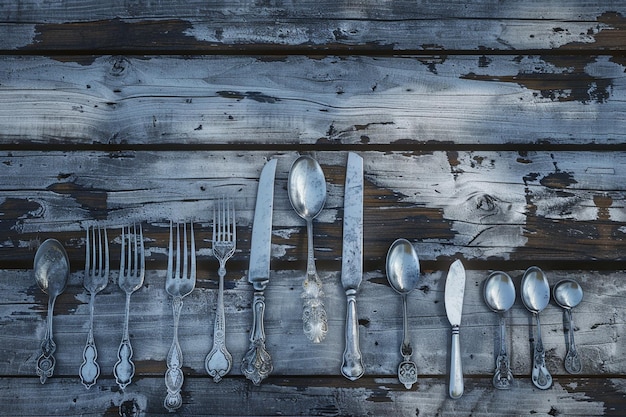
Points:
x=257, y=362
x=454, y=292
x=352, y=263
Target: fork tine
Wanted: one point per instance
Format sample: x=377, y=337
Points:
x=192, y=275
x=232, y=223
x=106, y=253
x=98, y=269
x=177, y=266
x=170, y=255
x=185, y=251
x=142, y=261
x=87, y=254
x=135, y=271
x=122, y=257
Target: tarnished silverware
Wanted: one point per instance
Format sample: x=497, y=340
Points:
x=52, y=271
x=453, y=296
x=568, y=294
x=352, y=264
x=180, y=282
x=132, y=272
x=95, y=280
x=257, y=362
x=307, y=193
x=219, y=361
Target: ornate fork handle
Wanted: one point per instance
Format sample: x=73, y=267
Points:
x=90, y=370
x=174, y=375
x=219, y=361
x=46, y=361
x=314, y=320
x=125, y=368
x=257, y=362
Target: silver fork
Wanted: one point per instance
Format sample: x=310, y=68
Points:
x=178, y=284
x=95, y=280
x=132, y=271
x=219, y=361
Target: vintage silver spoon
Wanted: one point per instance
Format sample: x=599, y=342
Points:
x=568, y=294
x=403, y=273
x=52, y=271
x=535, y=296
x=306, y=187
x=499, y=295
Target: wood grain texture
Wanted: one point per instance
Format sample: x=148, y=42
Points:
x=295, y=27
x=331, y=101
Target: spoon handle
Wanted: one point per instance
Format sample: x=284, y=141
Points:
x=314, y=321
x=573, y=364
x=503, y=377
x=89, y=369
x=540, y=375
x=46, y=361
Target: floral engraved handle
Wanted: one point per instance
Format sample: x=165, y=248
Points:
x=314, y=320
x=219, y=361
x=46, y=361
x=540, y=375
x=174, y=375
x=257, y=362
x=352, y=366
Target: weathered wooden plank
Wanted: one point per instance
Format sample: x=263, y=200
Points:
x=314, y=26
x=327, y=102
x=484, y=205
x=315, y=397
x=599, y=322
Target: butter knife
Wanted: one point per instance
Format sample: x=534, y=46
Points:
x=352, y=263
x=455, y=290
x=257, y=362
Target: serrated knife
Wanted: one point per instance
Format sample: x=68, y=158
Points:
x=454, y=292
x=257, y=362
x=352, y=263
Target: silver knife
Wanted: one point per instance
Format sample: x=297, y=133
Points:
x=455, y=290
x=352, y=263
x=257, y=362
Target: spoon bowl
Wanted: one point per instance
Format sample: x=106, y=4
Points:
x=568, y=294
x=403, y=266
x=499, y=292
x=535, y=290
x=535, y=296
x=499, y=295
x=52, y=271
x=306, y=187
x=403, y=273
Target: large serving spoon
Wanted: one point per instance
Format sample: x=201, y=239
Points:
x=306, y=187
x=403, y=273
x=568, y=294
x=52, y=271
x=499, y=295
x=535, y=296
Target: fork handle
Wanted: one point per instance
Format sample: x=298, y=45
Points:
x=89, y=369
x=125, y=368
x=257, y=362
x=174, y=374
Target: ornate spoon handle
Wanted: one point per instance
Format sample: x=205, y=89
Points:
x=89, y=370
x=573, y=364
x=503, y=377
x=314, y=320
x=540, y=375
x=46, y=361
x=219, y=361
x=407, y=371
x=124, y=369
x=257, y=362
x=174, y=374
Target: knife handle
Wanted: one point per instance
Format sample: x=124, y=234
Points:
x=352, y=367
x=257, y=362
x=456, y=369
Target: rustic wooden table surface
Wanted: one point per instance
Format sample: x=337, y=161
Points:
x=491, y=132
